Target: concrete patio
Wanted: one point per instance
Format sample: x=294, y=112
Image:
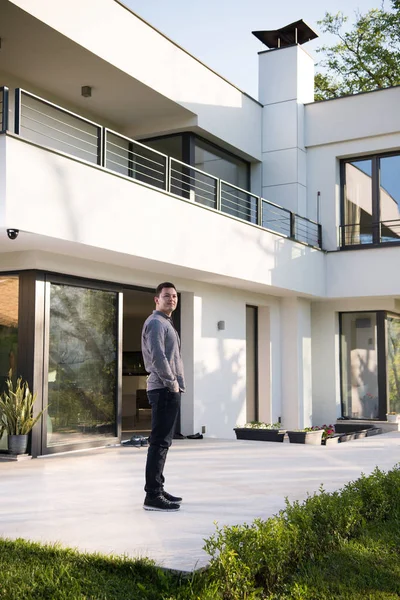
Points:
x=93, y=500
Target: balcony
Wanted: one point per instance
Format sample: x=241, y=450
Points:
x=51, y=126
x=359, y=235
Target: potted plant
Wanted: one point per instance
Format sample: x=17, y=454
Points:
x=329, y=435
x=307, y=435
x=393, y=417
x=16, y=414
x=259, y=431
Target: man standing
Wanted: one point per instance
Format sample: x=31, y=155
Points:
x=161, y=350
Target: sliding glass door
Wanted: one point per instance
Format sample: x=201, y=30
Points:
x=82, y=365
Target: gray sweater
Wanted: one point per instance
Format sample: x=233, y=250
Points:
x=161, y=353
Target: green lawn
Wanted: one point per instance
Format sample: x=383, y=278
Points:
x=341, y=545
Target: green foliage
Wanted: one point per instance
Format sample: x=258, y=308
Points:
x=366, y=57
x=253, y=561
x=261, y=425
x=30, y=571
x=16, y=408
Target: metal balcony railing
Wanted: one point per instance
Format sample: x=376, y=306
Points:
x=3, y=109
x=360, y=234
x=52, y=126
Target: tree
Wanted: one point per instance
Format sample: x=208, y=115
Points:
x=366, y=58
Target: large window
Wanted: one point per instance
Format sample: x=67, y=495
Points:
x=9, y=293
x=205, y=156
x=82, y=372
x=359, y=351
x=370, y=364
x=371, y=200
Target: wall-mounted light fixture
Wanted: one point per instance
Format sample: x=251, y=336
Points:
x=221, y=325
x=86, y=91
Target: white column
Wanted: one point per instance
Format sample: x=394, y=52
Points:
x=296, y=363
x=286, y=83
x=325, y=363
x=187, y=341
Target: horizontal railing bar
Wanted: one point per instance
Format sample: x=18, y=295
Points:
x=204, y=198
x=144, y=175
x=174, y=160
x=243, y=209
x=60, y=108
x=188, y=176
x=224, y=194
x=235, y=187
x=132, y=153
x=135, y=166
x=24, y=116
x=245, y=217
x=275, y=205
x=194, y=188
x=57, y=120
x=57, y=140
x=123, y=137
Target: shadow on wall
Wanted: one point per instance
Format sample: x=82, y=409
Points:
x=221, y=393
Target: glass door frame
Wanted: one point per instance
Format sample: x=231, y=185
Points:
x=50, y=278
x=381, y=345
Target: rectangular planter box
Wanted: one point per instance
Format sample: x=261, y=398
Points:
x=331, y=441
x=313, y=438
x=260, y=435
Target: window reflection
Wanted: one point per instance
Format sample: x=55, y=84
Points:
x=393, y=363
x=9, y=293
x=82, y=365
x=359, y=353
x=389, y=197
x=358, y=203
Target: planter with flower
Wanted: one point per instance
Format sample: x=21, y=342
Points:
x=16, y=414
x=329, y=436
x=307, y=435
x=261, y=432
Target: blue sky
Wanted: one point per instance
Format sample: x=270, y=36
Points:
x=218, y=32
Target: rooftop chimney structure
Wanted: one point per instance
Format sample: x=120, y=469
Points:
x=286, y=83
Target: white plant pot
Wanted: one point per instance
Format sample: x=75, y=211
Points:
x=393, y=418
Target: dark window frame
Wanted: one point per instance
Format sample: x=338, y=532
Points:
x=375, y=191
x=381, y=344
x=188, y=150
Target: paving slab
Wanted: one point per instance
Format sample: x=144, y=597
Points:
x=93, y=500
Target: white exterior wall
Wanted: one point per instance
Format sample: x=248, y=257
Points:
x=325, y=351
x=215, y=361
x=344, y=128
x=68, y=201
x=125, y=41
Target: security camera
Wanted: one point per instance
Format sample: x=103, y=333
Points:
x=12, y=233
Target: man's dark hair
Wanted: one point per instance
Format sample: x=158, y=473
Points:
x=166, y=284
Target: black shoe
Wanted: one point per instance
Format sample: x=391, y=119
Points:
x=160, y=503
x=171, y=498
x=144, y=441
x=133, y=441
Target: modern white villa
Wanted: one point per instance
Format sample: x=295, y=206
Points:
x=126, y=162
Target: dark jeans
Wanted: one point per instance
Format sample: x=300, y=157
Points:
x=164, y=413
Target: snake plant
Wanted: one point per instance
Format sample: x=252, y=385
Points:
x=16, y=408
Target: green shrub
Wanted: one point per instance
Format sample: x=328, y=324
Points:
x=252, y=561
